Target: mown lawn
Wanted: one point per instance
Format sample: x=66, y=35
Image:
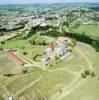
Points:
x=32, y=51
x=14, y=44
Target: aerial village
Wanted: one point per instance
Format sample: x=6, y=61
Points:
x=49, y=52
x=58, y=47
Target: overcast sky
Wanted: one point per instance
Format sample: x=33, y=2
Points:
x=42, y=1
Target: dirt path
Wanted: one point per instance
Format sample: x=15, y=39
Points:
x=67, y=89
x=7, y=93
x=26, y=87
x=63, y=69
x=75, y=84
x=86, y=58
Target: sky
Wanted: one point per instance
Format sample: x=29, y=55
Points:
x=43, y=1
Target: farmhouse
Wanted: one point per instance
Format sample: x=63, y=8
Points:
x=56, y=49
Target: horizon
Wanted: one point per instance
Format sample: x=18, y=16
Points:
x=4, y=2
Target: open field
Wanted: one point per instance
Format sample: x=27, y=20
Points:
x=90, y=89
x=20, y=43
x=33, y=51
x=90, y=30
x=49, y=51
x=14, y=44
x=51, y=83
x=81, y=84
x=14, y=87
x=5, y=66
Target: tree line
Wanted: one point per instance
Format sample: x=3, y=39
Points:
x=14, y=29
x=84, y=38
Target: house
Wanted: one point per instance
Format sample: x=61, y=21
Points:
x=55, y=49
x=62, y=39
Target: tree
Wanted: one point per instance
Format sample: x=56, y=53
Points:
x=8, y=75
x=66, y=24
x=1, y=49
x=83, y=75
x=93, y=74
x=94, y=44
x=34, y=58
x=43, y=43
x=25, y=53
x=73, y=43
x=24, y=71
x=87, y=72
x=1, y=34
x=32, y=42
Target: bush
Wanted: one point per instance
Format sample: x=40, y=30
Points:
x=83, y=75
x=51, y=65
x=25, y=53
x=43, y=43
x=3, y=42
x=8, y=75
x=57, y=58
x=87, y=72
x=34, y=58
x=24, y=71
x=32, y=42
x=70, y=49
x=1, y=34
x=94, y=44
x=93, y=74
x=73, y=43
x=1, y=49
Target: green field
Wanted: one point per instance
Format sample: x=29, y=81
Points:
x=20, y=43
x=33, y=51
x=90, y=88
x=53, y=79
x=5, y=67
x=76, y=77
x=14, y=43
x=14, y=87
x=90, y=30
